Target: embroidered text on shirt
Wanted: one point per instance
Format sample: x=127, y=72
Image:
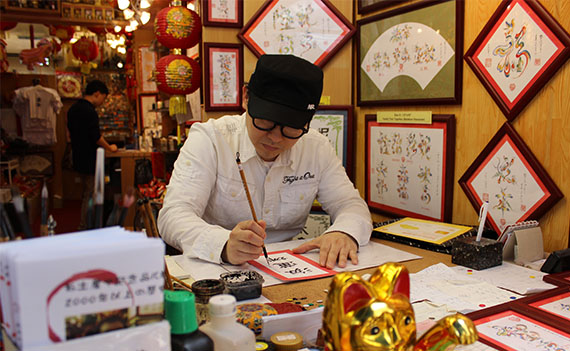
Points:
x=291, y=179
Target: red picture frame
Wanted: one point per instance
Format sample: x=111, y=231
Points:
x=495, y=175
x=512, y=327
x=223, y=76
x=554, y=303
x=560, y=279
x=315, y=24
x=231, y=15
x=415, y=151
x=514, y=78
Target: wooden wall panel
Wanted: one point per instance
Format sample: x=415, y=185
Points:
x=543, y=125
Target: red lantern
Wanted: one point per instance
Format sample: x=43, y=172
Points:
x=85, y=49
x=63, y=33
x=177, y=75
x=7, y=25
x=177, y=27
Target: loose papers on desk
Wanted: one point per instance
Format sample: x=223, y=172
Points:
x=509, y=276
x=62, y=287
x=443, y=286
x=371, y=255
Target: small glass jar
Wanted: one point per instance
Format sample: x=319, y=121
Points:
x=203, y=290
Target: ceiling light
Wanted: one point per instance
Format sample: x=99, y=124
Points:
x=129, y=29
x=117, y=29
x=123, y=4
x=122, y=50
x=128, y=13
x=120, y=64
x=144, y=4
x=145, y=17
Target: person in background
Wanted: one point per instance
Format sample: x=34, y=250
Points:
x=83, y=127
x=287, y=166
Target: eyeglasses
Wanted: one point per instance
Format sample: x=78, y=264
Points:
x=287, y=132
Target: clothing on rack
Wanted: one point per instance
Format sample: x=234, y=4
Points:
x=38, y=107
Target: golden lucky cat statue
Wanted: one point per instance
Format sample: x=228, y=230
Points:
x=376, y=314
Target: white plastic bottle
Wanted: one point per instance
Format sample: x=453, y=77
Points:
x=227, y=333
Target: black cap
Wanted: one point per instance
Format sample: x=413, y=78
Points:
x=285, y=89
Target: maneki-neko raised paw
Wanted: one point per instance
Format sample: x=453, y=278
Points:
x=376, y=314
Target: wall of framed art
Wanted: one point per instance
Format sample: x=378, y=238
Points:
x=541, y=123
x=337, y=68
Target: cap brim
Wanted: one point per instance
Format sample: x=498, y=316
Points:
x=282, y=114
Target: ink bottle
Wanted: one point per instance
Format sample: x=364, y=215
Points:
x=204, y=289
x=227, y=333
x=180, y=311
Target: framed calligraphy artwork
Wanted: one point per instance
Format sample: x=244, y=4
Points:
x=555, y=303
x=366, y=6
x=509, y=327
x=285, y=265
x=560, y=279
x=223, y=75
x=409, y=168
x=517, y=52
x=222, y=13
x=147, y=64
x=510, y=178
x=335, y=122
x=312, y=29
x=411, y=55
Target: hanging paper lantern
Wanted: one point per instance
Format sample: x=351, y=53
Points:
x=177, y=75
x=7, y=25
x=63, y=33
x=85, y=50
x=177, y=27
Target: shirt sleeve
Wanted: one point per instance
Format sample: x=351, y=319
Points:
x=341, y=200
x=188, y=193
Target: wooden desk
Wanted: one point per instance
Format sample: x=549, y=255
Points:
x=128, y=159
x=314, y=290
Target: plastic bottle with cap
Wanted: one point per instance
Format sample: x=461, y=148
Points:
x=227, y=333
x=180, y=311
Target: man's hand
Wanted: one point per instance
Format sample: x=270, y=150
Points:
x=245, y=242
x=334, y=247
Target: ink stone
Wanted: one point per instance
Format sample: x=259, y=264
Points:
x=478, y=255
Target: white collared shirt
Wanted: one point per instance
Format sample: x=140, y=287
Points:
x=205, y=198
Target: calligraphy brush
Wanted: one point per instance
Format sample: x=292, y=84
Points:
x=22, y=217
x=242, y=174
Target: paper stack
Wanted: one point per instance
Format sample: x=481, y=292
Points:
x=69, y=286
